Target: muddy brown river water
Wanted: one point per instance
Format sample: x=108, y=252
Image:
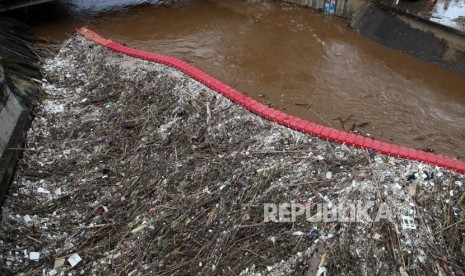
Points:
x=298, y=60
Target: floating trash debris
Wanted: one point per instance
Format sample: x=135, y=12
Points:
x=329, y=175
x=74, y=260
x=35, y=256
x=27, y=218
x=59, y=262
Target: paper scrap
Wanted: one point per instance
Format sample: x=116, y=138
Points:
x=59, y=262
x=35, y=256
x=74, y=259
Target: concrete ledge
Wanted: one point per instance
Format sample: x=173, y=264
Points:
x=12, y=153
x=14, y=120
x=9, y=116
x=18, y=94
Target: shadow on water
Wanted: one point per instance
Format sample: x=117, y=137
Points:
x=82, y=10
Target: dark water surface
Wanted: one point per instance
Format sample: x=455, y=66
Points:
x=296, y=59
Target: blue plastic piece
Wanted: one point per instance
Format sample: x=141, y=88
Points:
x=330, y=7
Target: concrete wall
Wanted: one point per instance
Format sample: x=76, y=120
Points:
x=411, y=35
x=10, y=111
x=14, y=120
x=18, y=94
x=344, y=8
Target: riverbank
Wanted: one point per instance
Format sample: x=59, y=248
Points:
x=132, y=167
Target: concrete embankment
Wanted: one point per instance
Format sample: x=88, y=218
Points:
x=13, y=119
x=18, y=93
x=397, y=29
x=412, y=35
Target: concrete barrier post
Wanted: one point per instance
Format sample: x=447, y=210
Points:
x=3, y=91
x=13, y=122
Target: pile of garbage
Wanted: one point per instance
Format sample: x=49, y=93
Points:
x=134, y=168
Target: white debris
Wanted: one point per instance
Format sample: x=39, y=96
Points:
x=27, y=218
x=74, y=259
x=59, y=262
x=408, y=223
x=273, y=240
x=42, y=191
x=321, y=271
x=403, y=272
x=329, y=175
x=54, y=107
x=35, y=256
